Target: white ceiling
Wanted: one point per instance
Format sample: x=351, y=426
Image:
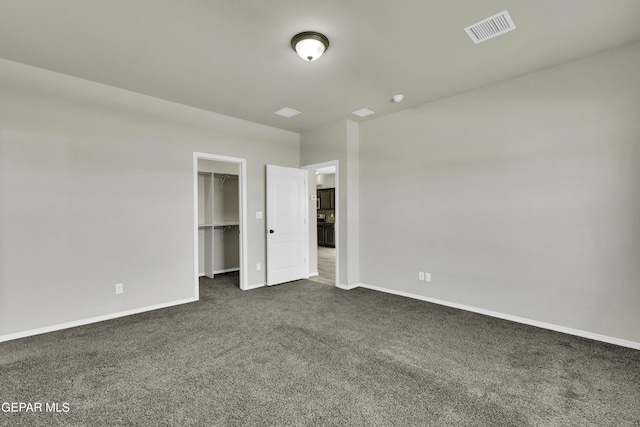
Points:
x=234, y=56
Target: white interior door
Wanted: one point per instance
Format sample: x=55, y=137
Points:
x=286, y=224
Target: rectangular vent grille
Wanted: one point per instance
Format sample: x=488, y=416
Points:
x=490, y=27
x=363, y=112
x=287, y=112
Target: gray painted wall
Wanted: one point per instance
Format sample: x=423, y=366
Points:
x=338, y=141
x=96, y=188
x=521, y=198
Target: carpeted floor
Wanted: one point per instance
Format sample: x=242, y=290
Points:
x=308, y=354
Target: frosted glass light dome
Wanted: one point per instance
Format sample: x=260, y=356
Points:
x=310, y=45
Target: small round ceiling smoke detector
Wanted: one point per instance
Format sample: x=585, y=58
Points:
x=310, y=45
x=397, y=98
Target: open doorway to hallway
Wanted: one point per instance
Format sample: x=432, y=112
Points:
x=326, y=266
x=323, y=241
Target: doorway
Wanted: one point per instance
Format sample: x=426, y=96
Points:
x=324, y=220
x=219, y=227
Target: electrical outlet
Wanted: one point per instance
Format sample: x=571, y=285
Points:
x=427, y=277
x=258, y=266
x=119, y=288
x=420, y=275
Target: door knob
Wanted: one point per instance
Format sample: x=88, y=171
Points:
x=271, y=231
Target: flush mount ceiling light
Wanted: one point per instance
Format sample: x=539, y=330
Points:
x=310, y=45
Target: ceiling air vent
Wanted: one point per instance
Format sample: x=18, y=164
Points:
x=287, y=112
x=490, y=27
x=363, y=112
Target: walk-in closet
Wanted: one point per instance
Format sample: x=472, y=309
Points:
x=218, y=218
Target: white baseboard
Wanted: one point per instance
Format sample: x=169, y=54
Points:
x=314, y=274
x=90, y=320
x=349, y=287
x=550, y=326
x=544, y=325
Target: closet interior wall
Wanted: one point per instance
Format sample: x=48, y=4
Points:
x=218, y=218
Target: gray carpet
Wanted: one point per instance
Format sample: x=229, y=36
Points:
x=308, y=354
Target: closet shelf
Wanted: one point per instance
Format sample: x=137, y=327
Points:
x=226, y=224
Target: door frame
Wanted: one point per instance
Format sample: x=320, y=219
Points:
x=242, y=201
x=336, y=226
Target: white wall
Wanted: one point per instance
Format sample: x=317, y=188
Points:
x=96, y=188
x=521, y=198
